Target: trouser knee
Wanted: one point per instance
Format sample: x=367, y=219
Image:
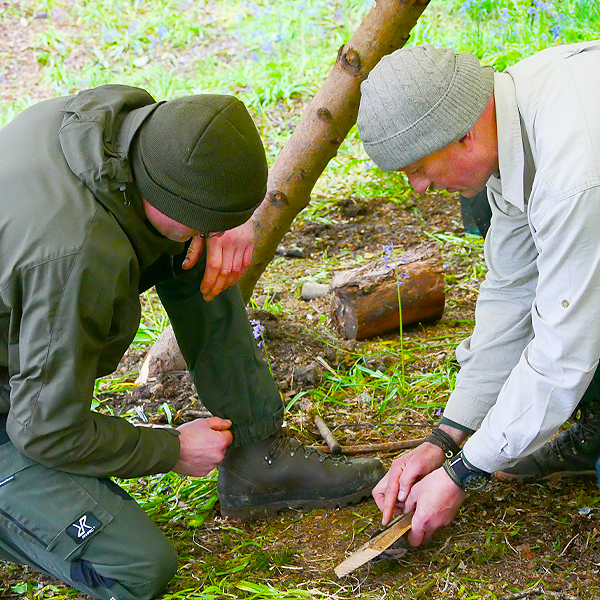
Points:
x=133, y=557
x=146, y=579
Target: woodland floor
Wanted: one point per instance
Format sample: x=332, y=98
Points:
x=506, y=539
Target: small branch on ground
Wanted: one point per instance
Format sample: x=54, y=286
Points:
x=371, y=448
x=539, y=591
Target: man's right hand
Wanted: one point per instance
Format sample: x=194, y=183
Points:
x=391, y=492
x=203, y=443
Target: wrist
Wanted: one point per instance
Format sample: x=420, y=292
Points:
x=443, y=440
x=458, y=435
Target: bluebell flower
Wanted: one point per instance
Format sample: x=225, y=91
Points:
x=109, y=36
x=556, y=31
x=162, y=30
x=258, y=331
x=388, y=249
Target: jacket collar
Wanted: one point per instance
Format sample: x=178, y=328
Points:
x=96, y=136
x=514, y=181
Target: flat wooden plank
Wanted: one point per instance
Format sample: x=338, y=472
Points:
x=375, y=546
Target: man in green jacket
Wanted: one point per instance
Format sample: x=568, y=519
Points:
x=100, y=193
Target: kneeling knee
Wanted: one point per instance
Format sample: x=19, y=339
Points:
x=144, y=579
x=153, y=577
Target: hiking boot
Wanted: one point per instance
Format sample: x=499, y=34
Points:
x=279, y=472
x=573, y=452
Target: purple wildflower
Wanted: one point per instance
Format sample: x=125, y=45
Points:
x=258, y=331
x=388, y=249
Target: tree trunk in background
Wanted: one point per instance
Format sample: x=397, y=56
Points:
x=323, y=127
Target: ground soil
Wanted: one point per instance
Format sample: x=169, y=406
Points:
x=505, y=539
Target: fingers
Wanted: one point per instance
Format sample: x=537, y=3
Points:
x=222, y=426
x=214, y=262
x=391, y=493
x=228, y=257
x=218, y=424
x=203, y=443
x=435, y=501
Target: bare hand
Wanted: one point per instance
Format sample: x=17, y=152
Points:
x=229, y=255
x=435, y=500
x=203, y=443
x=393, y=489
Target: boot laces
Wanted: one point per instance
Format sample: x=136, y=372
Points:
x=577, y=435
x=286, y=444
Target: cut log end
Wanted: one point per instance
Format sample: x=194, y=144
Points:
x=367, y=298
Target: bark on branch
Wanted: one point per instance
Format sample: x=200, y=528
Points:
x=323, y=127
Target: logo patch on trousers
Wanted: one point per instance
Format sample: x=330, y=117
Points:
x=83, y=527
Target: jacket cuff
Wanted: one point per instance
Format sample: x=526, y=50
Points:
x=161, y=448
x=465, y=411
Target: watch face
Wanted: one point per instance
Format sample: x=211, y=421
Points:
x=465, y=478
x=475, y=482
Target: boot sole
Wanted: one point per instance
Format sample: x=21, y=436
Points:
x=257, y=511
x=509, y=477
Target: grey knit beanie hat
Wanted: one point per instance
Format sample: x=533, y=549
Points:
x=200, y=161
x=418, y=100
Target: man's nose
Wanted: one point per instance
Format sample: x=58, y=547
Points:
x=419, y=182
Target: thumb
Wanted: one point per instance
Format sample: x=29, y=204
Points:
x=193, y=253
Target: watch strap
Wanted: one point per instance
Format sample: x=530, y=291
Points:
x=468, y=478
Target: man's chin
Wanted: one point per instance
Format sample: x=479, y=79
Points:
x=469, y=193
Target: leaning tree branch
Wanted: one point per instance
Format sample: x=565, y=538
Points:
x=323, y=127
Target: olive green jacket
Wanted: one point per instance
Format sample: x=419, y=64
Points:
x=74, y=252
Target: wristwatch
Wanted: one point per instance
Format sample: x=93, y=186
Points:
x=468, y=478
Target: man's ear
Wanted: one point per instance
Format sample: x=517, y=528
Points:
x=467, y=142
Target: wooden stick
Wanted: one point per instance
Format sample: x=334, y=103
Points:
x=325, y=432
x=369, y=448
x=374, y=547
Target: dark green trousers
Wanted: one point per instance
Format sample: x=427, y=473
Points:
x=217, y=342
x=88, y=532
x=84, y=531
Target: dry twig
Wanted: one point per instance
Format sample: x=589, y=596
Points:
x=539, y=591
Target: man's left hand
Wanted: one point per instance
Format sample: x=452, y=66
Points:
x=228, y=257
x=435, y=500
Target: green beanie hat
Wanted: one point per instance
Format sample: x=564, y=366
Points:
x=419, y=100
x=200, y=161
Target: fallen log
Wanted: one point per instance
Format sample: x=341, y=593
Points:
x=366, y=298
